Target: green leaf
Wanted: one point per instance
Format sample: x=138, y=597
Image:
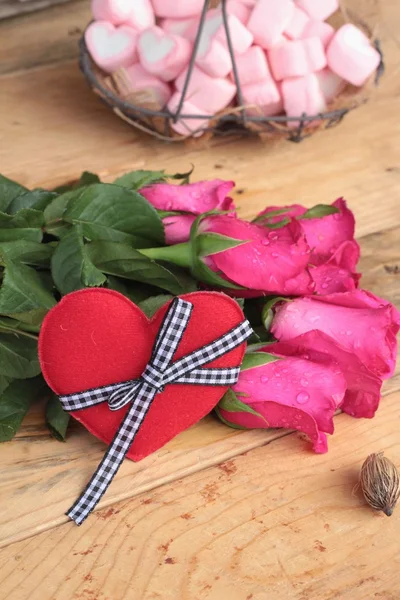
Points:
x=37, y=199
x=8, y=191
x=318, y=211
x=152, y=304
x=4, y=383
x=22, y=290
x=137, y=292
x=55, y=210
x=56, y=418
x=71, y=267
x=112, y=213
x=252, y=360
x=27, y=252
x=264, y=219
x=15, y=325
x=135, y=180
x=231, y=403
x=186, y=281
x=18, y=356
x=199, y=269
x=267, y=313
x=213, y=243
x=183, y=177
x=14, y=404
x=25, y=225
x=123, y=261
x=85, y=179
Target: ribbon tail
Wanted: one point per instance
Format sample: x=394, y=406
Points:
x=114, y=456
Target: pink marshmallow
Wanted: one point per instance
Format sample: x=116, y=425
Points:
x=111, y=47
x=163, y=54
x=214, y=29
x=178, y=9
x=179, y=26
x=263, y=99
x=211, y=94
x=318, y=9
x=269, y=20
x=330, y=84
x=296, y=58
x=324, y=31
x=302, y=95
x=252, y=66
x=239, y=9
x=297, y=24
x=137, y=13
x=214, y=59
x=139, y=80
x=187, y=126
x=351, y=55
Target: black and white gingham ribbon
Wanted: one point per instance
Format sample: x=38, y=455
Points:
x=141, y=392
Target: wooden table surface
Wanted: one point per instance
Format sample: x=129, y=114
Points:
x=217, y=514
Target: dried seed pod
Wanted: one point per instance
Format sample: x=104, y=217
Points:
x=380, y=483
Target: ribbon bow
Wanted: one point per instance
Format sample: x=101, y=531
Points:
x=141, y=392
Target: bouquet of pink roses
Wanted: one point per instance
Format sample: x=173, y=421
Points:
x=320, y=342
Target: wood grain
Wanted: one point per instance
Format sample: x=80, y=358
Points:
x=43, y=477
x=12, y=8
x=277, y=523
x=43, y=38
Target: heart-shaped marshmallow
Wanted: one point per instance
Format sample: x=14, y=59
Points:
x=163, y=54
x=111, y=47
x=137, y=13
x=96, y=337
x=351, y=55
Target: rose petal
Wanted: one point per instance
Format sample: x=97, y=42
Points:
x=363, y=392
x=277, y=415
x=177, y=228
x=195, y=198
x=359, y=321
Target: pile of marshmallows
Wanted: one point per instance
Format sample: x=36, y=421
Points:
x=288, y=58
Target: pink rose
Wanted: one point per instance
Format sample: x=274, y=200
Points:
x=192, y=199
x=292, y=392
x=358, y=321
x=334, y=252
x=363, y=388
x=268, y=262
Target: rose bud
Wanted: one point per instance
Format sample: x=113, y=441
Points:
x=335, y=253
x=358, y=321
x=183, y=203
x=264, y=262
x=274, y=390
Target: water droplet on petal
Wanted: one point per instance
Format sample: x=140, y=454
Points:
x=324, y=286
x=265, y=242
x=348, y=332
x=302, y=397
x=273, y=236
x=304, y=382
x=274, y=254
x=264, y=379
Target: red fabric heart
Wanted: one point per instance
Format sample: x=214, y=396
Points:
x=95, y=337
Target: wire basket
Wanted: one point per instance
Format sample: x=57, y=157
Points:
x=138, y=109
